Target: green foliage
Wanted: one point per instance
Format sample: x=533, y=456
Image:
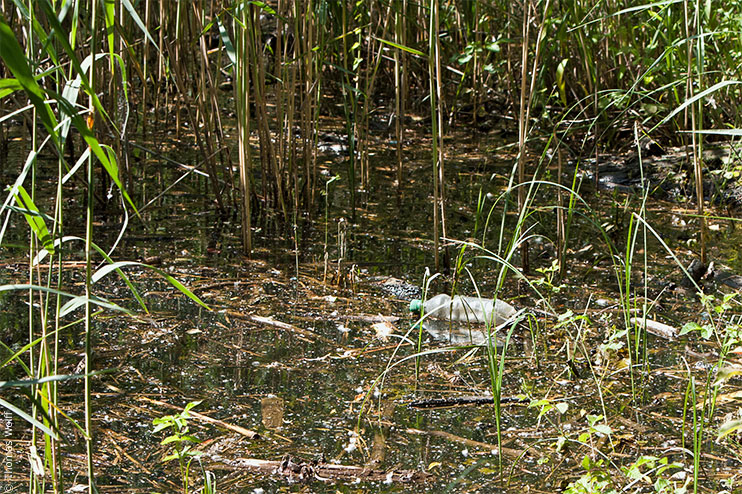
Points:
x=645, y=471
x=646, y=467
x=478, y=49
x=616, y=341
x=180, y=439
x=545, y=406
x=729, y=427
x=569, y=318
x=548, y=277
x=706, y=330
x=596, y=479
x=34, y=218
x=595, y=427
x=728, y=331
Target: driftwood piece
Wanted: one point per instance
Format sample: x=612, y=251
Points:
x=656, y=328
x=327, y=472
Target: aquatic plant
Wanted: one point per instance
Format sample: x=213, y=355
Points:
x=55, y=97
x=181, y=442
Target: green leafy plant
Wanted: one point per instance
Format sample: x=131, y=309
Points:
x=707, y=329
x=646, y=467
x=181, y=440
x=596, y=479
x=547, y=280
x=647, y=470
x=595, y=427
x=548, y=275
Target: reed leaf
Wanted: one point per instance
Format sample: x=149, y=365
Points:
x=138, y=21
x=695, y=98
x=15, y=59
x=79, y=300
x=28, y=418
x=34, y=218
x=116, y=266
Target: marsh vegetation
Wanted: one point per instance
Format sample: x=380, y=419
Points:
x=216, y=215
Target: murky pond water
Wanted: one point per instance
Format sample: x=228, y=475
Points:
x=319, y=358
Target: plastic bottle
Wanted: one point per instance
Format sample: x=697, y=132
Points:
x=465, y=309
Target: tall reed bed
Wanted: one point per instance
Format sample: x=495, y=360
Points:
x=585, y=71
x=66, y=75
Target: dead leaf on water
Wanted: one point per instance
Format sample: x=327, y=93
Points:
x=727, y=373
x=383, y=330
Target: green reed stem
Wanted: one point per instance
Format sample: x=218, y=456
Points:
x=89, y=265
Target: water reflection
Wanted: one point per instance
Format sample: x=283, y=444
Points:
x=456, y=333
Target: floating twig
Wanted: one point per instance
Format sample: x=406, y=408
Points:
x=303, y=470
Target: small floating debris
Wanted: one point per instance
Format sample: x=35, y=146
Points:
x=656, y=328
x=383, y=330
x=366, y=318
x=269, y=321
x=491, y=448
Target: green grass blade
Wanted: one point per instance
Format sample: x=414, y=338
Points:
x=41, y=255
x=728, y=428
x=138, y=21
x=717, y=132
x=47, y=379
x=60, y=35
x=19, y=181
x=27, y=418
x=107, y=158
x=34, y=218
x=109, y=10
x=15, y=60
x=76, y=299
x=401, y=47
x=9, y=86
x=695, y=98
x=81, y=300
x=628, y=10
x=231, y=53
x=102, y=272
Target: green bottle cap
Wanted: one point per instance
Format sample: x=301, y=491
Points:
x=416, y=305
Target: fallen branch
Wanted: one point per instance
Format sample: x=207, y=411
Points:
x=205, y=418
x=269, y=321
x=462, y=400
x=655, y=327
x=513, y=453
x=306, y=471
